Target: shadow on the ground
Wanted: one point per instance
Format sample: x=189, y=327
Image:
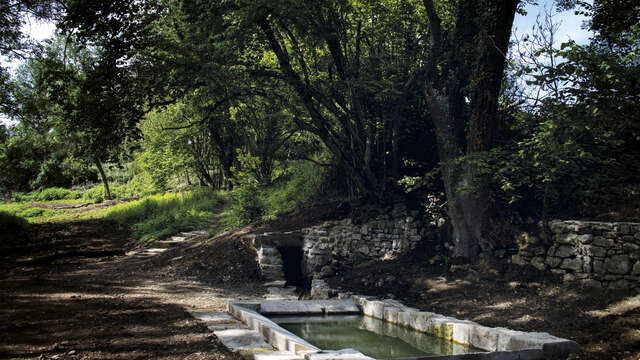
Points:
x=93, y=307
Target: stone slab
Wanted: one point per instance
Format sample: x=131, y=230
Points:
x=277, y=355
x=243, y=340
x=309, y=307
x=215, y=316
x=344, y=354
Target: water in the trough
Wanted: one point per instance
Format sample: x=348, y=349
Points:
x=372, y=337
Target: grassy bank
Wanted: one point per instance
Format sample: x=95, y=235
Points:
x=157, y=216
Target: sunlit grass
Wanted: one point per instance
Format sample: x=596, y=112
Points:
x=158, y=216
x=42, y=211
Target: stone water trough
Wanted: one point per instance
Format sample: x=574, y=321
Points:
x=247, y=329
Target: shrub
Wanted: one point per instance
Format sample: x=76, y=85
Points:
x=20, y=197
x=54, y=193
x=250, y=202
x=16, y=229
x=97, y=194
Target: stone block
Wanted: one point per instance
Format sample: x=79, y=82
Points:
x=585, y=238
x=308, y=306
x=618, y=264
x=538, y=263
x=243, y=340
x=553, y=262
x=636, y=268
x=391, y=315
x=572, y=264
x=569, y=238
x=621, y=284
x=344, y=354
x=485, y=338
x=440, y=326
x=565, y=251
x=591, y=283
x=518, y=260
x=276, y=355
x=553, y=347
x=374, y=308
x=630, y=248
x=603, y=242
x=595, y=251
x=461, y=331
x=598, y=267
x=417, y=320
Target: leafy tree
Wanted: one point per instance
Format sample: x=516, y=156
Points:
x=462, y=81
x=80, y=98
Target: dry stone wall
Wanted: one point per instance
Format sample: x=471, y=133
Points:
x=382, y=238
x=597, y=254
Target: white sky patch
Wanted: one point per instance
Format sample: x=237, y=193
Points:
x=570, y=24
x=39, y=30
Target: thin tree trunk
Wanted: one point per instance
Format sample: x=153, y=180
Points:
x=103, y=176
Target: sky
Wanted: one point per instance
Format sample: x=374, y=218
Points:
x=569, y=29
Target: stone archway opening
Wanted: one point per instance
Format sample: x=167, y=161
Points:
x=292, y=260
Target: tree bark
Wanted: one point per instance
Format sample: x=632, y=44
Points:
x=103, y=176
x=461, y=87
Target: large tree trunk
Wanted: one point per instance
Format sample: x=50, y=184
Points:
x=103, y=176
x=471, y=58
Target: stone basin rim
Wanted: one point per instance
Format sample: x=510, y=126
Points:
x=500, y=343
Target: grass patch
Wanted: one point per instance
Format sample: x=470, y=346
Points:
x=35, y=212
x=158, y=216
x=48, y=194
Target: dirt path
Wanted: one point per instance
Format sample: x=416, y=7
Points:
x=71, y=299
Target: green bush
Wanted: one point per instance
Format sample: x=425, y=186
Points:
x=54, y=193
x=20, y=197
x=15, y=229
x=250, y=202
x=97, y=194
x=157, y=216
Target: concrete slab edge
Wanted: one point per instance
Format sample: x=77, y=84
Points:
x=504, y=343
x=278, y=337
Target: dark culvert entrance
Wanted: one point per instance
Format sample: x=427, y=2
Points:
x=292, y=264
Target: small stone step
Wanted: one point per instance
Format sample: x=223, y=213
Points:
x=279, y=293
x=216, y=320
x=277, y=355
x=276, y=283
x=244, y=341
x=270, y=260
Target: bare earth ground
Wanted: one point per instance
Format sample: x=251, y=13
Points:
x=85, y=290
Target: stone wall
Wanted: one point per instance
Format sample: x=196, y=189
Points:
x=384, y=237
x=597, y=254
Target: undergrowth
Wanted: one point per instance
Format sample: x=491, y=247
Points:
x=250, y=202
x=48, y=194
x=15, y=229
x=157, y=216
